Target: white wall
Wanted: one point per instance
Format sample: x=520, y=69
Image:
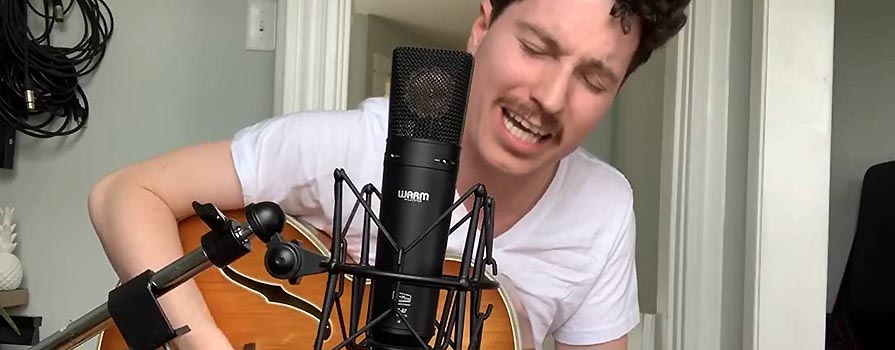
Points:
x=638, y=145
x=630, y=139
x=601, y=141
x=357, y=62
x=175, y=73
x=863, y=117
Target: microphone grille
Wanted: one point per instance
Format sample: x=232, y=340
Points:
x=428, y=95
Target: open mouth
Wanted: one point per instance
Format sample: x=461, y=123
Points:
x=522, y=129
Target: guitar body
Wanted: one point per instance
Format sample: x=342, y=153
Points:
x=257, y=311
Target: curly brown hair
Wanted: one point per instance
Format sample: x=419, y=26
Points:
x=660, y=21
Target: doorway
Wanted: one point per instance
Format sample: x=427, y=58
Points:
x=729, y=140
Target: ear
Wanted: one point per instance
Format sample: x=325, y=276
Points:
x=479, y=27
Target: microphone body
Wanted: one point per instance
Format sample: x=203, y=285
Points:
x=426, y=115
x=414, y=197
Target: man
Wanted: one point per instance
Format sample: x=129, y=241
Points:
x=546, y=72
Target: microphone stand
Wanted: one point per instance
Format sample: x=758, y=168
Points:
x=134, y=309
x=463, y=288
x=133, y=306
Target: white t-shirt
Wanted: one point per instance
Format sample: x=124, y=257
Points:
x=569, y=261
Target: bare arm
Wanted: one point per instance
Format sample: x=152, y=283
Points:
x=618, y=344
x=135, y=211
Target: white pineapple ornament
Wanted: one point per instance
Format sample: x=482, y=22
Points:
x=10, y=266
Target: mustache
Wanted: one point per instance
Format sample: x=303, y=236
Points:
x=523, y=107
x=527, y=109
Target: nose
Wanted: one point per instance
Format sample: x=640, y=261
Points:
x=552, y=89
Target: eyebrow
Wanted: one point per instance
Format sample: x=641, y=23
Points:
x=601, y=68
x=553, y=46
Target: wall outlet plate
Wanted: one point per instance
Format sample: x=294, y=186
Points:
x=261, y=25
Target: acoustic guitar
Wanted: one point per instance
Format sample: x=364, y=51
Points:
x=259, y=312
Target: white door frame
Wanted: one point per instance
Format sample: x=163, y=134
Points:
x=694, y=172
x=788, y=176
x=312, y=55
x=789, y=170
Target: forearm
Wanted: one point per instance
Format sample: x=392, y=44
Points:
x=138, y=231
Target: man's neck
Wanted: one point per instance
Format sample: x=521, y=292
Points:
x=514, y=195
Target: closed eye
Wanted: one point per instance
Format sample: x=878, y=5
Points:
x=531, y=49
x=593, y=82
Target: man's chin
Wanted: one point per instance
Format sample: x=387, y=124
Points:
x=514, y=166
x=498, y=160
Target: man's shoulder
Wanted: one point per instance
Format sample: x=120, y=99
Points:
x=374, y=107
x=373, y=110
x=588, y=175
x=593, y=195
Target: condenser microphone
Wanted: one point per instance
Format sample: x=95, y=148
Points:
x=427, y=109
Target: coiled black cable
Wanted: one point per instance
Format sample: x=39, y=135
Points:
x=39, y=81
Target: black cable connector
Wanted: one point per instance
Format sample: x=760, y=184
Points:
x=58, y=12
x=30, y=98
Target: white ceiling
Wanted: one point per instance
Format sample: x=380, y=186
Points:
x=447, y=22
